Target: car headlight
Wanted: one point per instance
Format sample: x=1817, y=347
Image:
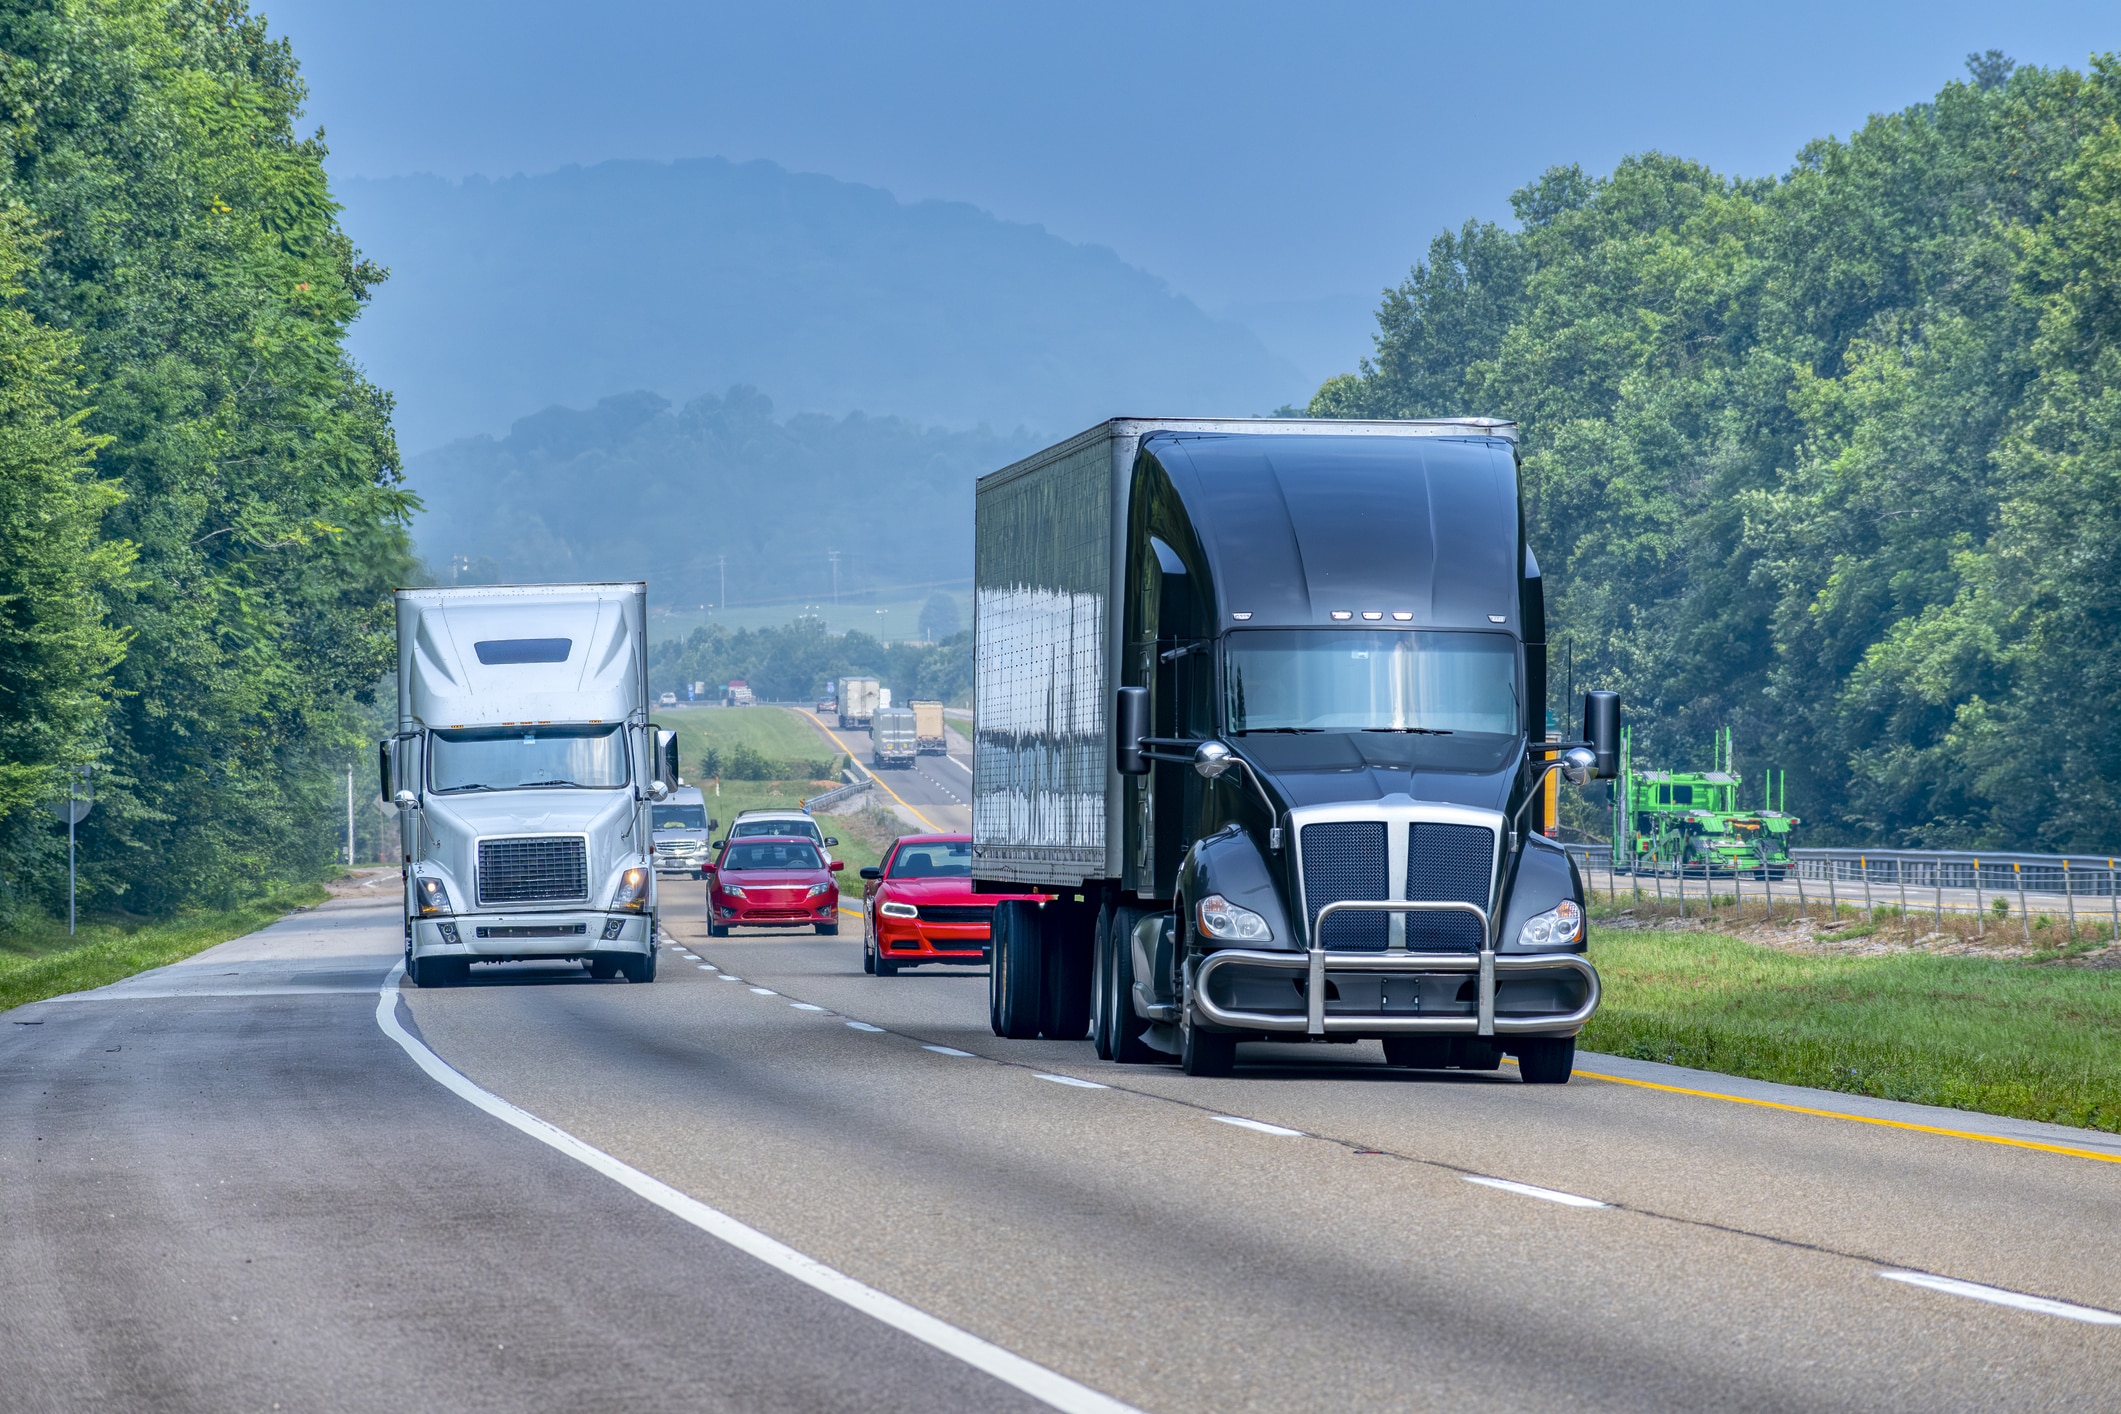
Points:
x=732, y=890
x=631, y=896
x=432, y=897
x=1558, y=927
x=1220, y=918
x=898, y=910
x=816, y=889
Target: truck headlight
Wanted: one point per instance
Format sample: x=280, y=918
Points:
x=631, y=896
x=898, y=910
x=1220, y=918
x=431, y=897
x=1558, y=927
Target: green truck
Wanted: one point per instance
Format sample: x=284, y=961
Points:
x=1677, y=822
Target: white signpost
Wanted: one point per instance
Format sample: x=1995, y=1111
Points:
x=80, y=799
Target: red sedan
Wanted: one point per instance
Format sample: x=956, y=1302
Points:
x=919, y=906
x=772, y=883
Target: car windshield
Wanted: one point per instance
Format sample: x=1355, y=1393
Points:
x=744, y=829
x=680, y=817
x=512, y=758
x=944, y=859
x=771, y=854
x=1407, y=680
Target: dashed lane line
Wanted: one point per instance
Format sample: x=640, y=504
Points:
x=1049, y=1387
x=1260, y=1125
x=1551, y=1195
x=1998, y=1296
x=1078, y=1083
x=948, y=1051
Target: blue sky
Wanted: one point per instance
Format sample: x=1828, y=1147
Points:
x=1278, y=163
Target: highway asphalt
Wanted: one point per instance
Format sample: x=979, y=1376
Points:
x=934, y=793
x=226, y=1187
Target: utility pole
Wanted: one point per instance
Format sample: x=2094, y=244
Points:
x=721, y=564
x=349, y=817
x=834, y=556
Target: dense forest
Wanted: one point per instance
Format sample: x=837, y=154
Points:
x=201, y=511
x=719, y=489
x=1833, y=457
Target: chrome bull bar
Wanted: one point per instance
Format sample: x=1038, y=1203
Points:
x=1486, y=964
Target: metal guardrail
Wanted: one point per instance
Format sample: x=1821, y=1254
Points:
x=841, y=794
x=1985, y=871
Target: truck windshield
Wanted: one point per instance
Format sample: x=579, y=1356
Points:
x=514, y=758
x=1409, y=680
x=680, y=817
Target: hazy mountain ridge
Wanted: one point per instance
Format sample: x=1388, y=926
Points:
x=560, y=288
x=634, y=488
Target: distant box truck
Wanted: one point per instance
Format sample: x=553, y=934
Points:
x=928, y=728
x=858, y=701
x=525, y=770
x=891, y=737
x=1261, y=707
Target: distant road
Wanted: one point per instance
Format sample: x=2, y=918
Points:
x=936, y=793
x=225, y=1186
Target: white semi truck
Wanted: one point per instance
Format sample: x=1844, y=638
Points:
x=524, y=770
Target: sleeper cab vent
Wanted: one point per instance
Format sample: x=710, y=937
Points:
x=551, y=869
x=1345, y=859
x=1447, y=863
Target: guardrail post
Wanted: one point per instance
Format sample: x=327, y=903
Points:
x=1937, y=878
x=2025, y=918
x=1980, y=924
x=2069, y=901
x=1870, y=912
x=1833, y=900
x=1900, y=875
x=1797, y=870
x=2113, y=900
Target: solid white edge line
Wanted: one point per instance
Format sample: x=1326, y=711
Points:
x=1551, y=1195
x=1259, y=1124
x=1036, y=1380
x=1996, y=1295
x=1070, y=1080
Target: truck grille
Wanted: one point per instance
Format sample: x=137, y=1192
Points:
x=1346, y=860
x=547, y=870
x=1447, y=863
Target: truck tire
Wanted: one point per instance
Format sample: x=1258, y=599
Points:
x=1475, y=1053
x=603, y=968
x=1017, y=976
x=1205, y=1052
x=639, y=969
x=1123, y=1029
x=1546, y=1060
x=1100, y=983
x=439, y=972
x=1069, y=939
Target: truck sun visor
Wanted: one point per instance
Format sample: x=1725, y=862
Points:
x=495, y=651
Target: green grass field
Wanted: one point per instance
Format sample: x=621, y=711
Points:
x=2027, y=1039
x=773, y=732
x=40, y=960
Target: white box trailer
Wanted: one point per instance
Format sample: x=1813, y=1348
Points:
x=858, y=699
x=524, y=769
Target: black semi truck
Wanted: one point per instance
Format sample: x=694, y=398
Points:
x=1261, y=715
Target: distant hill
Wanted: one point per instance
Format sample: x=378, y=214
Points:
x=511, y=295
x=634, y=488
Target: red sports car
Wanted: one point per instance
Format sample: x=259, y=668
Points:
x=772, y=883
x=919, y=906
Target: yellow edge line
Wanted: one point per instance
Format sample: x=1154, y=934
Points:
x=1859, y=1119
x=835, y=738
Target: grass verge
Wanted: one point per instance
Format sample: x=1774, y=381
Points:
x=2006, y=1037
x=41, y=961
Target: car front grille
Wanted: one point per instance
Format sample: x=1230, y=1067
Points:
x=1346, y=860
x=957, y=913
x=550, y=869
x=1448, y=863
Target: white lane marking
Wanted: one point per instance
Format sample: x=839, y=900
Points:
x=1551, y=1195
x=946, y=1050
x=1261, y=1125
x=806, y=1006
x=731, y=977
x=765, y=991
x=705, y=968
x=1071, y=1080
x=863, y=1026
x=1997, y=1295
x=1042, y=1384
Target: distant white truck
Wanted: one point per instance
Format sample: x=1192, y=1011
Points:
x=858, y=699
x=524, y=770
x=891, y=737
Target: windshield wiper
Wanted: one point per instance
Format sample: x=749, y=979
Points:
x=1411, y=731
x=468, y=785
x=540, y=785
x=1280, y=731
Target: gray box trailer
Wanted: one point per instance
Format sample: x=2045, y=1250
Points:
x=1144, y=567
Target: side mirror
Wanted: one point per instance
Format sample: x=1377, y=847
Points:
x=383, y=787
x=658, y=791
x=871, y=871
x=1601, y=728
x=1211, y=759
x=1130, y=723
x=1578, y=765
x=836, y=865
x=831, y=840
x=405, y=800
x=718, y=844
x=667, y=759
x=713, y=824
